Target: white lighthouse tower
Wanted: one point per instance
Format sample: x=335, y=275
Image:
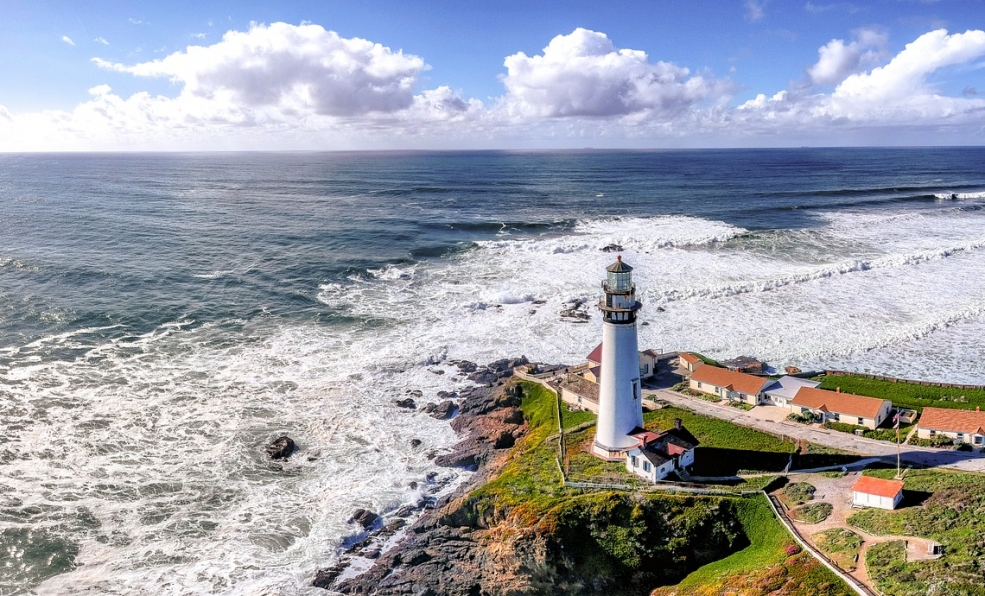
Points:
x=620, y=403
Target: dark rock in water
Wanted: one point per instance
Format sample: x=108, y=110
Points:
x=442, y=411
x=415, y=442
x=437, y=371
x=431, y=476
x=464, y=366
x=364, y=517
x=373, y=553
x=611, y=248
x=539, y=302
x=393, y=526
x=281, y=448
x=413, y=485
x=406, y=403
x=326, y=577
x=415, y=393
x=447, y=394
x=405, y=511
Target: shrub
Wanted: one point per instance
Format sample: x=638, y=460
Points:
x=813, y=513
x=843, y=427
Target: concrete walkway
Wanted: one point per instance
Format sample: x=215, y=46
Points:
x=923, y=456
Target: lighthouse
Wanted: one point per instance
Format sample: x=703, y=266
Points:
x=620, y=403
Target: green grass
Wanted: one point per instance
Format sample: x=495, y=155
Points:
x=907, y=395
x=707, y=360
x=840, y=545
x=713, y=432
x=796, y=493
x=948, y=507
x=772, y=564
x=812, y=513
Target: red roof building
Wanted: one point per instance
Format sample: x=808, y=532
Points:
x=870, y=491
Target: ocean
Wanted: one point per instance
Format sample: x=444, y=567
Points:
x=163, y=316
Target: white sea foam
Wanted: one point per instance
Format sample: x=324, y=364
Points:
x=957, y=196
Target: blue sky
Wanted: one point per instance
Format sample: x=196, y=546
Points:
x=109, y=75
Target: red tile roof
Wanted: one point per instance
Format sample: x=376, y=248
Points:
x=596, y=355
x=965, y=421
x=736, y=381
x=841, y=403
x=689, y=358
x=878, y=486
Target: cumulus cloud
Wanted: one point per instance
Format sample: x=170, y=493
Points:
x=291, y=65
x=895, y=94
x=68, y=40
x=907, y=73
x=837, y=59
x=584, y=75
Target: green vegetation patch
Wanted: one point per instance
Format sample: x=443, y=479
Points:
x=796, y=493
x=906, y=395
x=813, y=513
x=725, y=448
x=948, y=507
x=879, y=434
x=772, y=564
x=840, y=545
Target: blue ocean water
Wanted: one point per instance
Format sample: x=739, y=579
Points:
x=163, y=315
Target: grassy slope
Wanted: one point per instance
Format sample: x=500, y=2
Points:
x=907, y=395
x=952, y=512
x=772, y=563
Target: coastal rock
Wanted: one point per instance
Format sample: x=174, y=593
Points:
x=407, y=402
x=415, y=443
x=465, y=367
x=442, y=411
x=281, y=448
x=364, y=517
x=326, y=577
x=415, y=393
x=612, y=248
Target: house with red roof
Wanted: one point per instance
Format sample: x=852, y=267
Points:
x=870, y=491
x=961, y=426
x=729, y=384
x=648, y=364
x=689, y=361
x=836, y=406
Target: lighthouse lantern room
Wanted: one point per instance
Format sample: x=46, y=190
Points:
x=620, y=401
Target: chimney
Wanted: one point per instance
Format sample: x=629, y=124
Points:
x=677, y=423
x=837, y=389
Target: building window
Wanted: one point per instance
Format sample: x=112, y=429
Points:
x=646, y=466
x=636, y=462
x=960, y=437
x=835, y=416
x=979, y=440
x=933, y=432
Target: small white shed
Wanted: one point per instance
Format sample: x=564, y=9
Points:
x=869, y=491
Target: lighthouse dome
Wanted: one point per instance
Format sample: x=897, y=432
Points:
x=619, y=277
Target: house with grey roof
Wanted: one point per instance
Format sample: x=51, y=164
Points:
x=784, y=389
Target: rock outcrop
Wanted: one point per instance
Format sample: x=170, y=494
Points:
x=281, y=448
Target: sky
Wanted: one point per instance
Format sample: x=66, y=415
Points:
x=109, y=75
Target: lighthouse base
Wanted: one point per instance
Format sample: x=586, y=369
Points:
x=610, y=453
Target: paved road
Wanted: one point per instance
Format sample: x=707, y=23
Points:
x=925, y=456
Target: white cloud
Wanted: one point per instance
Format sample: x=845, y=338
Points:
x=134, y=21
x=68, y=40
x=755, y=11
x=907, y=73
x=295, y=65
x=894, y=95
x=101, y=40
x=583, y=75
x=837, y=59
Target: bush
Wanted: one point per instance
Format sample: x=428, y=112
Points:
x=964, y=447
x=813, y=513
x=843, y=427
x=806, y=419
